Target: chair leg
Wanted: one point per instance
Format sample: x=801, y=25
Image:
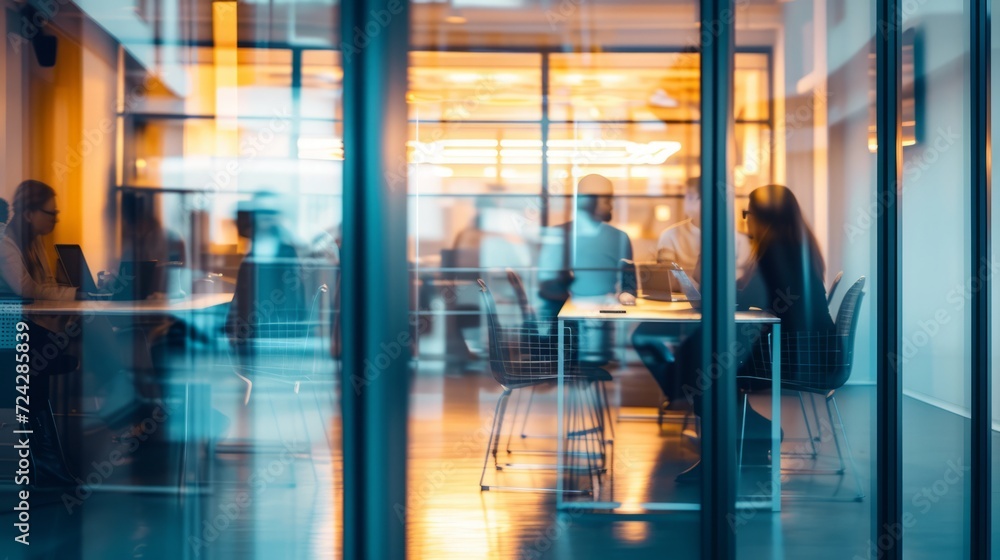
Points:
x=819, y=426
x=850, y=454
x=496, y=441
x=527, y=412
x=607, y=409
x=513, y=420
x=246, y=394
x=805, y=418
x=489, y=443
x=743, y=433
x=836, y=440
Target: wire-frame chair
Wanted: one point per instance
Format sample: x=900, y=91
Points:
x=285, y=348
x=523, y=357
x=529, y=319
x=816, y=363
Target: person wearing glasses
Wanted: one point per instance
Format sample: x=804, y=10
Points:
x=25, y=272
x=24, y=262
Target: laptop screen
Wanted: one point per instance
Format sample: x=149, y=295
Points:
x=74, y=266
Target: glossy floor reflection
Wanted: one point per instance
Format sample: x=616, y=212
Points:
x=282, y=500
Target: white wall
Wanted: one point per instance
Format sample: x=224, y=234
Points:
x=935, y=216
x=852, y=185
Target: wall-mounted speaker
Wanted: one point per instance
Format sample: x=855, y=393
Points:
x=45, y=49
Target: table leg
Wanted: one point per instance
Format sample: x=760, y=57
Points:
x=776, y=417
x=560, y=410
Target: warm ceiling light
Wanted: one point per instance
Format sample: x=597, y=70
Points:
x=456, y=19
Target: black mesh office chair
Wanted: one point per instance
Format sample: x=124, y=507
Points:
x=522, y=357
x=818, y=364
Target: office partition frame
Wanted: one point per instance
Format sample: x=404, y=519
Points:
x=888, y=280
x=981, y=506
x=375, y=225
x=374, y=300
x=718, y=444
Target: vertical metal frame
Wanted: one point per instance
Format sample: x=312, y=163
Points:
x=980, y=222
x=718, y=447
x=374, y=295
x=889, y=465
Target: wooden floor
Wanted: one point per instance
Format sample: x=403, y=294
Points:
x=282, y=501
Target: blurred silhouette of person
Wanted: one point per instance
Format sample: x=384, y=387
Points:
x=489, y=242
x=270, y=279
x=4, y=216
x=585, y=258
x=144, y=237
x=681, y=242
x=785, y=278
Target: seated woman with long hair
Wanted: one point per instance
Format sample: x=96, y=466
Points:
x=25, y=272
x=785, y=278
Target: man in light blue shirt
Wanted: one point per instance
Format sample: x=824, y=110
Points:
x=593, y=249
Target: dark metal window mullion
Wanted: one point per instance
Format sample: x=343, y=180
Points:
x=981, y=445
x=718, y=446
x=889, y=466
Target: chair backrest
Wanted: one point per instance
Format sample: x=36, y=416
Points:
x=833, y=287
x=499, y=352
x=283, y=346
x=528, y=313
x=847, y=329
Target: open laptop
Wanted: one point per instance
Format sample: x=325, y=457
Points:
x=654, y=281
x=75, y=271
x=691, y=293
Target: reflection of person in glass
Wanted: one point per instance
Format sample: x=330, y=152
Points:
x=785, y=278
x=583, y=257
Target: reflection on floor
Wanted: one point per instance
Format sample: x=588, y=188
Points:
x=283, y=500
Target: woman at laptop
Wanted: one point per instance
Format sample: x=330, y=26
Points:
x=785, y=278
x=25, y=272
x=24, y=264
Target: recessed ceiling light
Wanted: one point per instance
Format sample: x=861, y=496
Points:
x=455, y=19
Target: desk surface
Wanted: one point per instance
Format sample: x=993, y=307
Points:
x=194, y=302
x=649, y=310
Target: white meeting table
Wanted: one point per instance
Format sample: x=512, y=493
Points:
x=677, y=312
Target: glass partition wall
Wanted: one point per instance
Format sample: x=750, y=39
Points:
x=560, y=167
